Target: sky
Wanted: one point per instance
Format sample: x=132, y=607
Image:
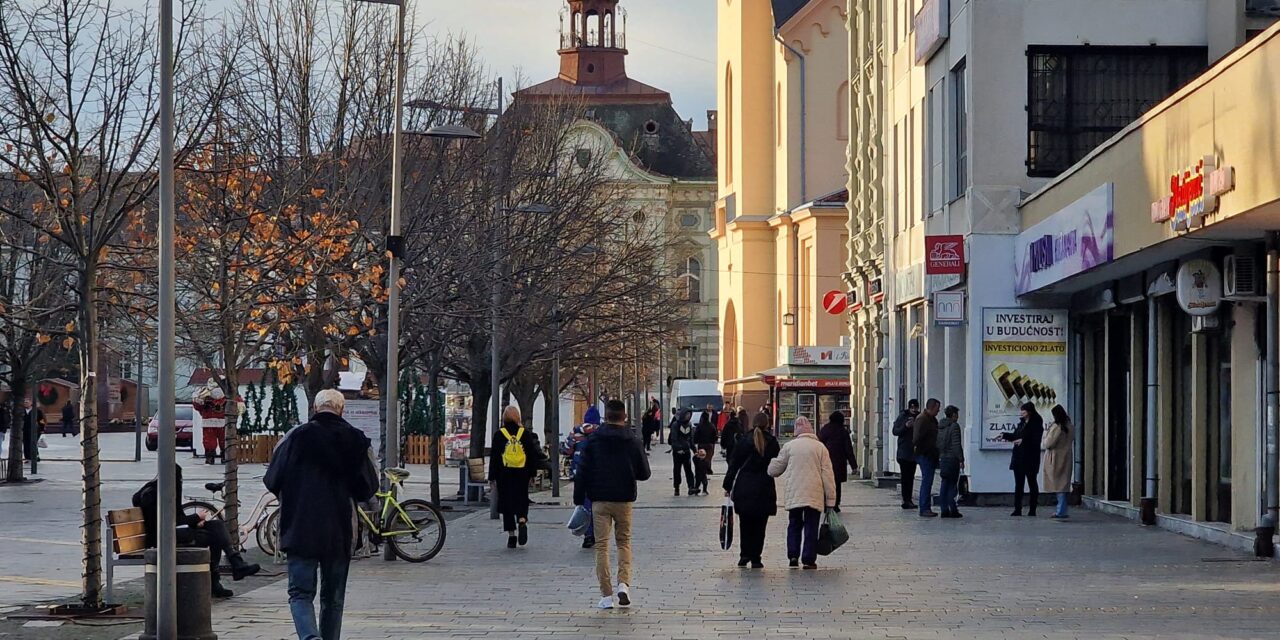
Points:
x=672, y=43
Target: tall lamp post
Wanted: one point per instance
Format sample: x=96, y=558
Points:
x=166, y=536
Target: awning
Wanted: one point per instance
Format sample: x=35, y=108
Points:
x=807, y=371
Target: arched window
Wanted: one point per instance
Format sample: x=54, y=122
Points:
x=691, y=280
x=842, y=111
x=606, y=33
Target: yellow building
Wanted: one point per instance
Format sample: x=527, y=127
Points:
x=781, y=221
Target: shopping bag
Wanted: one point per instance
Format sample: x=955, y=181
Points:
x=726, y=525
x=832, y=535
x=41, y=443
x=579, y=521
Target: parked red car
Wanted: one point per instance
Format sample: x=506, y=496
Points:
x=184, y=416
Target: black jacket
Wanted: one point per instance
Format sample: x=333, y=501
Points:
x=729, y=437
x=317, y=471
x=705, y=435
x=680, y=436
x=613, y=461
x=840, y=446
x=650, y=423
x=748, y=481
x=925, y=436
x=903, y=427
x=513, y=484
x=1026, y=456
x=146, y=499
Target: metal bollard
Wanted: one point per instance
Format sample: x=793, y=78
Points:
x=194, y=595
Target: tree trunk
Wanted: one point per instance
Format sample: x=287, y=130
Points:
x=433, y=383
x=481, y=395
x=91, y=466
x=230, y=451
x=16, y=421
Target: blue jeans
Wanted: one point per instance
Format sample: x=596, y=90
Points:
x=302, y=595
x=1062, y=504
x=803, y=522
x=949, y=472
x=591, y=520
x=927, y=467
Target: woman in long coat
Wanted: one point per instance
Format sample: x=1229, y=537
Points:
x=809, y=489
x=512, y=484
x=1059, y=458
x=754, y=494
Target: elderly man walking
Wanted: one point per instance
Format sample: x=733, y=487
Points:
x=318, y=471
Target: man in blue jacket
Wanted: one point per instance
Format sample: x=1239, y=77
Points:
x=317, y=472
x=613, y=461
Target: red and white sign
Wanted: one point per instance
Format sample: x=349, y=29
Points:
x=835, y=302
x=944, y=255
x=1193, y=193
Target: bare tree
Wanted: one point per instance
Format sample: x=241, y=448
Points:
x=80, y=127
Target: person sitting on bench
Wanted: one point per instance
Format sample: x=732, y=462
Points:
x=195, y=531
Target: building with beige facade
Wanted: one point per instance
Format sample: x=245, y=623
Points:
x=781, y=218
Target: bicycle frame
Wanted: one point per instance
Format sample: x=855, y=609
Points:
x=388, y=502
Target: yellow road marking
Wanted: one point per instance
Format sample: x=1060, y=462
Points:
x=40, y=581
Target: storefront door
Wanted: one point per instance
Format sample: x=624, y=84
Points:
x=1183, y=430
x=1219, y=489
x=1119, y=383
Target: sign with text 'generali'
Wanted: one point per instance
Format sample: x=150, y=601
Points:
x=1077, y=238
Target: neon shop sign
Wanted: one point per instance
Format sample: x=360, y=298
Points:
x=1193, y=193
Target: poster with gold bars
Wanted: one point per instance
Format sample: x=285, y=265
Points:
x=1024, y=360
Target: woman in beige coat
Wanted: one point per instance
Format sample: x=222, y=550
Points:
x=809, y=488
x=1059, y=458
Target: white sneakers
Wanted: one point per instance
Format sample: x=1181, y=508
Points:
x=621, y=599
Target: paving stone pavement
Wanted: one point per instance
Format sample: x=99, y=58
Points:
x=901, y=576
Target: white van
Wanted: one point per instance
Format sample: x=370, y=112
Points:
x=695, y=395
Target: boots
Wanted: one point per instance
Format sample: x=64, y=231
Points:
x=216, y=588
x=241, y=569
x=208, y=455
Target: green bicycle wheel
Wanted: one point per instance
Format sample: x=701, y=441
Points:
x=420, y=536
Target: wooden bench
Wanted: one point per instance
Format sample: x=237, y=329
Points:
x=474, y=478
x=126, y=535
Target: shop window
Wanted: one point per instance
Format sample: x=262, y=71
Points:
x=1079, y=96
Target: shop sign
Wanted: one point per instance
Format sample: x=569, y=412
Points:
x=835, y=302
x=1079, y=237
x=1193, y=193
x=1024, y=359
x=943, y=261
x=932, y=26
x=817, y=356
x=1199, y=287
x=814, y=384
x=948, y=308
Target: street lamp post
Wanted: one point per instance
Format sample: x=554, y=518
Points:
x=166, y=536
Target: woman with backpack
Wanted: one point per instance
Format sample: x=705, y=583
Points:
x=515, y=457
x=752, y=489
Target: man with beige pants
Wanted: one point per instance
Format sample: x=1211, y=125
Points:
x=613, y=461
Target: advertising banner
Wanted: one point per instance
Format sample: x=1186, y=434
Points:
x=1024, y=359
x=1079, y=237
x=364, y=415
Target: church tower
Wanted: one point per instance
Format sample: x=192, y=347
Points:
x=593, y=42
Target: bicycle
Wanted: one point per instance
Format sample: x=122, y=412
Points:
x=263, y=522
x=414, y=529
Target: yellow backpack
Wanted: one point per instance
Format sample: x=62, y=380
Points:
x=513, y=457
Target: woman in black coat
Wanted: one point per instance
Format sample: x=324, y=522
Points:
x=836, y=438
x=1025, y=463
x=748, y=483
x=729, y=435
x=512, y=485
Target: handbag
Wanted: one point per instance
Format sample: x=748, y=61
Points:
x=726, y=525
x=579, y=521
x=832, y=535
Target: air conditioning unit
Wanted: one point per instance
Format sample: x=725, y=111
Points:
x=1205, y=324
x=1241, y=278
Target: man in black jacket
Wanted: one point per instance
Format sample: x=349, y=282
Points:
x=613, y=461
x=903, y=429
x=33, y=424
x=317, y=472
x=195, y=529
